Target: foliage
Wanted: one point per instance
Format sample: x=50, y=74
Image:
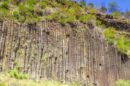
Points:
x=4, y=5
x=110, y=34
x=70, y=14
x=112, y=7
x=116, y=14
x=52, y=16
x=91, y=5
x=31, y=11
x=68, y=19
x=82, y=3
x=98, y=23
x=62, y=1
x=123, y=83
x=120, y=41
x=4, y=10
x=123, y=44
x=42, y=5
x=103, y=9
x=16, y=74
x=87, y=18
x=90, y=9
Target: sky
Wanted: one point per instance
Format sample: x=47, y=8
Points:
x=123, y=5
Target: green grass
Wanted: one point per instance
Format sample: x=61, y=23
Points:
x=6, y=80
x=122, y=83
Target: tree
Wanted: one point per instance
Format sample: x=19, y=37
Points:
x=103, y=9
x=112, y=7
x=82, y=3
x=91, y=5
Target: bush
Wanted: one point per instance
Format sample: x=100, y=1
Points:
x=69, y=19
x=26, y=13
x=123, y=44
x=98, y=23
x=4, y=10
x=42, y=5
x=87, y=18
x=62, y=1
x=75, y=10
x=52, y=16
x=116, y=14
x=120, y=41
x=4, y=14
x=4, y=5
x=16, y=74
x=89, y=9
x=110, y=34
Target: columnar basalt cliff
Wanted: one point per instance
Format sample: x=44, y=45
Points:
x=66, y=53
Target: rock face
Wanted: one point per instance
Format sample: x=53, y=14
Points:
x=121, y=24
x=49, y=50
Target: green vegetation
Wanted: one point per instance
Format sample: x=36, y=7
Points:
x=31, y=11
x=123, y=83
x=87, y=18
x=6, y=80
x=116, y=14
x=110, y=34
x=16, y=74
x=4, y=10
x=119, y=40
x=113, y=7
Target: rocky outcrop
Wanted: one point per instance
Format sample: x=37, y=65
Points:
x=49, y=50
x=121, y=24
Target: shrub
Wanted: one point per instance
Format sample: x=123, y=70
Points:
x=26, y=13
x=4, y=13
x=120, y=41
x=116, y=14
x=16, y=74
x=123, y=44
x=87, y=18
x=62, y=21
x=62, y=1
x=75, y=10
x=4, y=5
x=52, y=16
x=82, y=3
x=67, y=15
x=4, y=10
x=98, y=23
x=110, y=34
x=68, y=19
x=92, y=10
x=42, y=5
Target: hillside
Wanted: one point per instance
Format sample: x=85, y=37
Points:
x=64, y=41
